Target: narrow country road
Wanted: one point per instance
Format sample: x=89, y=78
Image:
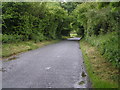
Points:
x=58, y=65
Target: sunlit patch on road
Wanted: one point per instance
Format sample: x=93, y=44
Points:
x=74, y=39
x=47, y=68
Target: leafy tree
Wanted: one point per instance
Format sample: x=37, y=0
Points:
x=69, y=6
x=35, y=21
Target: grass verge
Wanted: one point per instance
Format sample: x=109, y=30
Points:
x=102, y=74
x=108, y=46
x=15, y=48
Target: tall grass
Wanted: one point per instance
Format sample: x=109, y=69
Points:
x=9, y=49
x=108, y=46
x=101, y=73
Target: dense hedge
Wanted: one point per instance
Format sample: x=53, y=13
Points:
x=33, y=21
x=96, y=18
x=99, y=23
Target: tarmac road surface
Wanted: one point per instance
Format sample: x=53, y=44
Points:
x=58, y=65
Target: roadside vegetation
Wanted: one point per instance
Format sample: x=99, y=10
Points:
x=101, y=72
x=15, y=48
x=98, y=25
x=38, y=21
x=108, y=47
x=27, y=26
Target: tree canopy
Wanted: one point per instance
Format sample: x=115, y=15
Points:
x=35, y=21
x=94, y=18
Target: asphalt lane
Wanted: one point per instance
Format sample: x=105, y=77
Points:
x=58, y=65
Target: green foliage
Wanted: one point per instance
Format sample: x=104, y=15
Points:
x=97, y=18
x=69, y=6
x=94, y=20
x=12, y=38
x=34, y=21
x=102, y=74
x=108, y=46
